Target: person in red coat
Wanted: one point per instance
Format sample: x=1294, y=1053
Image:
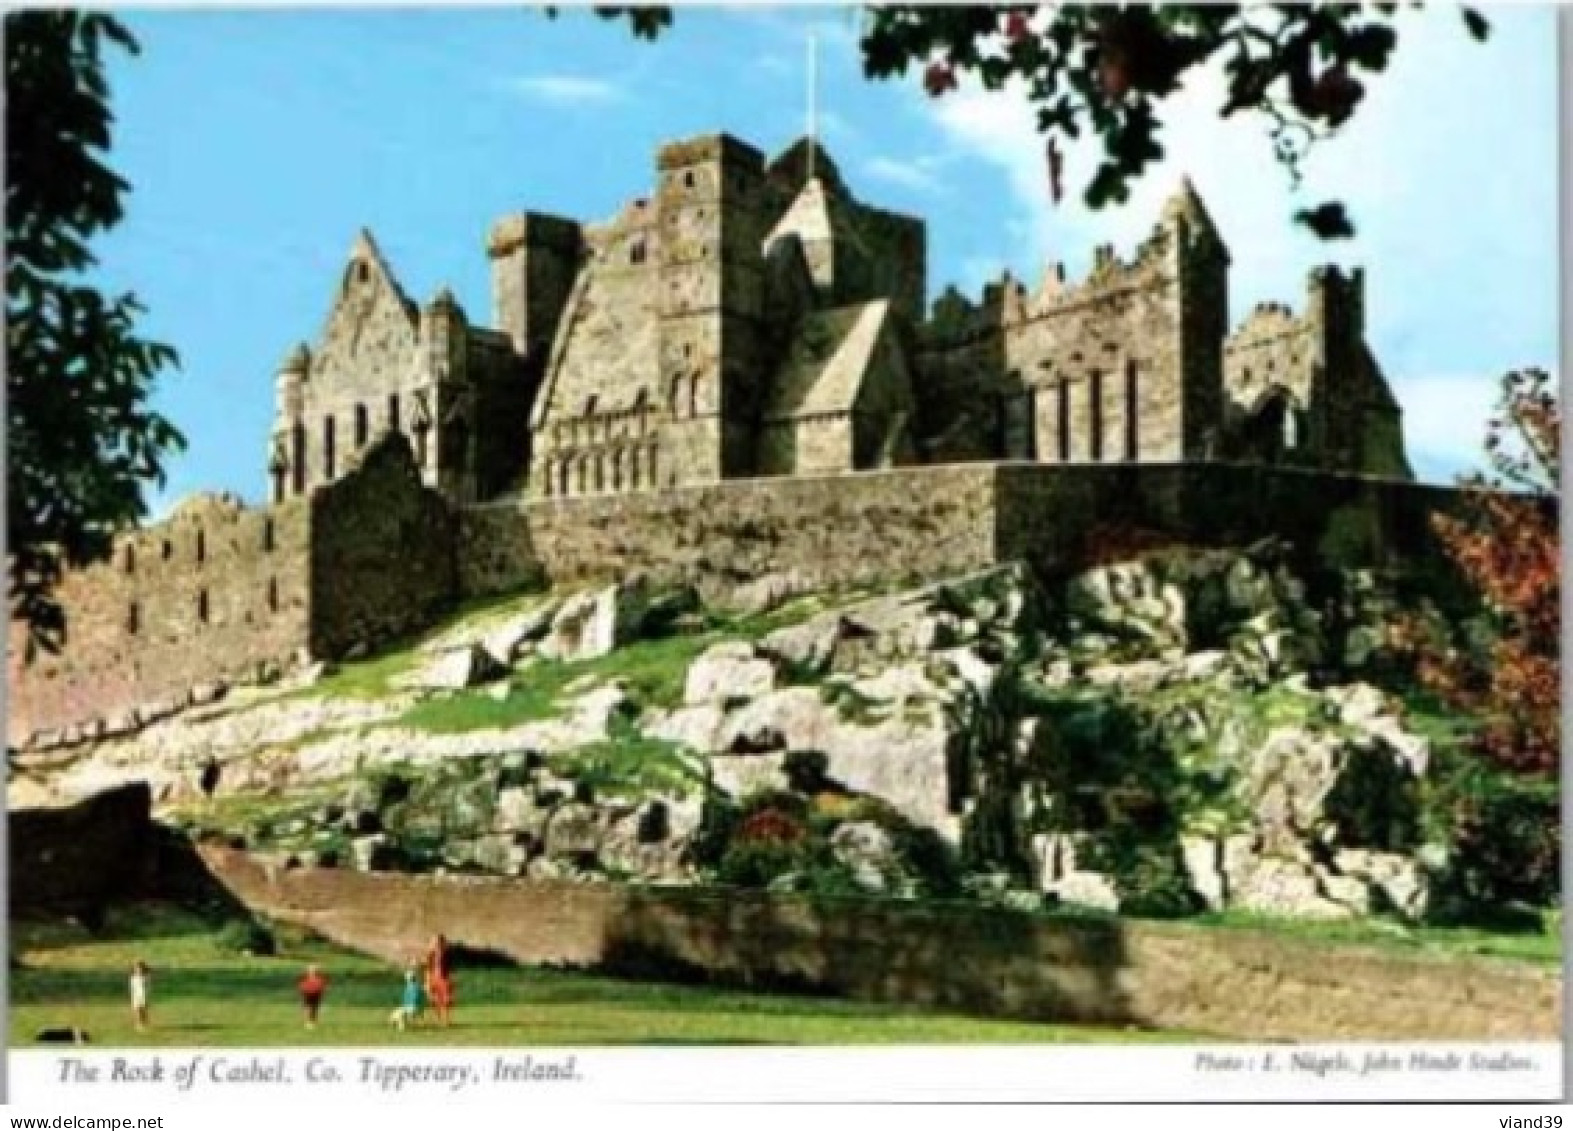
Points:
x=313, y=986
x=439, y=979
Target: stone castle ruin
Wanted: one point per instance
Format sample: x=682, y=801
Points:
x=738, y=375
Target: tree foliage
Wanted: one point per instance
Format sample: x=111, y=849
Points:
x=1506, y=541
x=83, y=440
x=1110, y=69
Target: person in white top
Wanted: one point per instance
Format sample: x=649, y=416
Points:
x=139, y=988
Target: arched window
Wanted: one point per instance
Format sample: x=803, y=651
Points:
x=600, y=472
x=633, y=469
x=166, y=550
x=636, y=253
x=617, y=470
x=582, y=474
x=562, y=477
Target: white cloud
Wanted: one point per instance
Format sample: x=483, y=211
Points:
x=918, y=174
x=567, y=90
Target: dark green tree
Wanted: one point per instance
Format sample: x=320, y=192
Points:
x=82, y=438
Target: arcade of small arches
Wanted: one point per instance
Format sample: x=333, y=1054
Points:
x=629, y=467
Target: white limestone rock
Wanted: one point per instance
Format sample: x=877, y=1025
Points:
x=593, y=623
x=727, y=672
x=462, y=668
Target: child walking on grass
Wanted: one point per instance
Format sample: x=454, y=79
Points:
x=313, y=985
x=139, y=992
x=410, y=1004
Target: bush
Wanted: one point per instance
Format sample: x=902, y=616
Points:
x=1375, y=804
x=718, y=820
x=246, y=936
x=758, y=863
x=930, y=858
x=1149, y=877
x=1507, y=848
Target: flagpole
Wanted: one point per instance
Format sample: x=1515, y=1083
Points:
x=813, y=109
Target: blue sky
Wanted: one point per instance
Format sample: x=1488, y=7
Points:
x=258, y=143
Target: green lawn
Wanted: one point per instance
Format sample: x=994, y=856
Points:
x=204, y=997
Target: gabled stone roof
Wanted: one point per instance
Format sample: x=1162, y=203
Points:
x=829, y=360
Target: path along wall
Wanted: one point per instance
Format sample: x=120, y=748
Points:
x=1239, y=984
x=920, y=523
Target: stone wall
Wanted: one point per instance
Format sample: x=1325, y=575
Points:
x=381, y=553
x=837, y=530
x=210, y=594
x=1229, y=983
x=919, y=523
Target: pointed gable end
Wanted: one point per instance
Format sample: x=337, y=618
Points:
x=372, y=322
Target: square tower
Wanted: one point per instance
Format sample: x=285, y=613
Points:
x=711, y=208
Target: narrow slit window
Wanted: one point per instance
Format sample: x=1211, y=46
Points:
x=297, y=468
x=1064, y=421
x=362, y=425
x=1095, y=416
x=1132, y=425
x=327, y=448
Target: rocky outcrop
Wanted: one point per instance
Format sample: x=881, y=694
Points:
x=1158, y=736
